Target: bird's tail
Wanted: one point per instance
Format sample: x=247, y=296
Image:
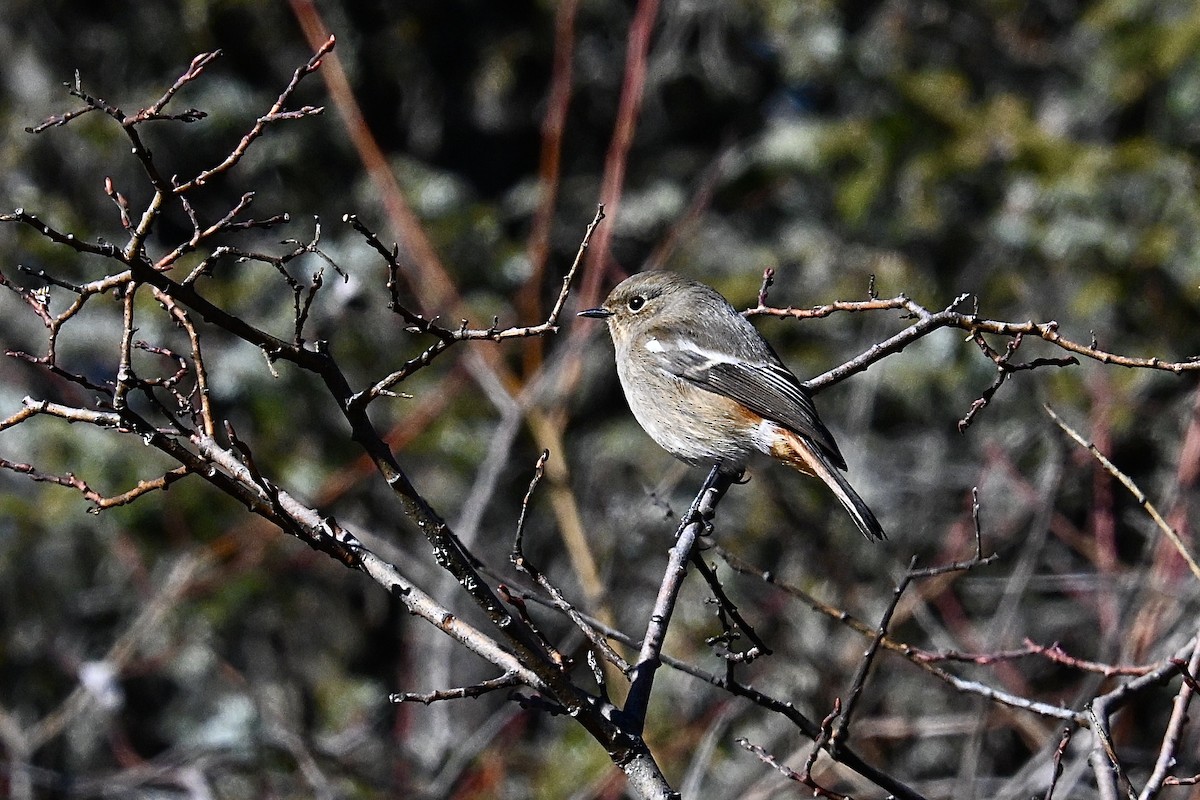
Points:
x=808, y=458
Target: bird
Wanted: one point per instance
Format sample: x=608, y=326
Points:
x=710, y=390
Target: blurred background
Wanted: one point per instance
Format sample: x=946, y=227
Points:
x=1041, y=156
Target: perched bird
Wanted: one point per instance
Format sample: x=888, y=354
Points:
x=710, y=390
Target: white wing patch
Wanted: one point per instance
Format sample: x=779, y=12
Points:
x=765, y=435
x=711, y=357
x=765, y=387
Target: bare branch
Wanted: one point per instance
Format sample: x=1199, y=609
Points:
x=1057, y=763
x=727, y=608
x=198, y=235
x=1174, y=731
x=862, y=628
x=60, y=119
x=649, y=658
x=841, y=734
x=447, y=337
x=38, y=301
x=203, y=412
x=1052, y=652
x=927, y=322
x=517, y=556
x=68, y=239
x=768, y=280
x=506, y=681
x=194, y=71
x=99, y=501
x=1106, y=765
x=1005, y=368
x=788, y=710
x=1137, y=493
x=804, y=777
x=275, y=114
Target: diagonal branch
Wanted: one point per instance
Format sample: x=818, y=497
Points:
x=1173, y=734
x=273, y=115
x=1137, y=493
x=649, y=658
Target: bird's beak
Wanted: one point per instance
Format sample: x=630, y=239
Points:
x=597, y=313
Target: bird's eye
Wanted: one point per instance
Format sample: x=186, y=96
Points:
x=636, y=302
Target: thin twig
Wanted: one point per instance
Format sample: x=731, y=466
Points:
x=928, y=322
x=1174, y=731
x=727, y=607
x=505, y=681
x=1053, y=653
x=194, y=71
x=275, y=114
x=517, y=557
x=1137, y=493
x=1057, y=763
x=841, y=733
x=99, y=501
x=914, y=654
x=804, y=777
x=446, y=336
x=1106, y=765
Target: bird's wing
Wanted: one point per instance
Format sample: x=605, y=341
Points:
x=767, y=388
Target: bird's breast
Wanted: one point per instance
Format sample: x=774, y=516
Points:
x=692, y=424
